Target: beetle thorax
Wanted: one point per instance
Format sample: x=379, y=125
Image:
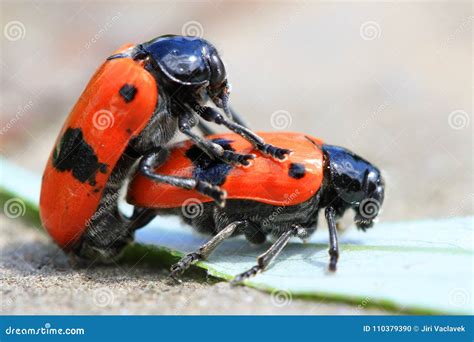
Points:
x=160, y=129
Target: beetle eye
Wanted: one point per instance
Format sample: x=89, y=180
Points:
x=218, y=73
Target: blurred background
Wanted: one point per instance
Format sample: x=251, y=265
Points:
x=390, y=81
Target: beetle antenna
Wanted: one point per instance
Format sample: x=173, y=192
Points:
x=118, y=55
x=136, y=53
x=225, y=105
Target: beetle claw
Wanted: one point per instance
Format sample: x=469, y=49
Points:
x=237, y=158
x=213, y=191
x=275, y=152
x=172, y=277
x=182, y=265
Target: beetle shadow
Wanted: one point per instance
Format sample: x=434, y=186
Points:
x=44, y=259
x=35, y=257
x=171, y=232
x=41, y=256
x=314, y=252
x=240, y=251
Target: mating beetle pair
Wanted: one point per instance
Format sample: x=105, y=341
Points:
x=130, y=110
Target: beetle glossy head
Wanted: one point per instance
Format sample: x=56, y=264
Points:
x=190, y=62
x=353, y=183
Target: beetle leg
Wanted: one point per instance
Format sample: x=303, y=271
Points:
x=212, y=149
x=204, y=251
x=236, y=117
x=266, y=258
x=155, y=157
x=141, y=217
x=212, y=115
x=333, y=243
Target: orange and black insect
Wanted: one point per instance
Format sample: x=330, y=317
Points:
x=131, y=108
x=281, y=198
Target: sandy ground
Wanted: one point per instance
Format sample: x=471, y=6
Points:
x=37, y=279
x=391, y=81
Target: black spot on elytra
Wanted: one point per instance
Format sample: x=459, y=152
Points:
x=209, y=170
x=103, y=168
x=74, y=154
x=296, y=170
x=128, y=92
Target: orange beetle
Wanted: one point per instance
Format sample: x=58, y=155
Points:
x=132, y=107
x=281, y=198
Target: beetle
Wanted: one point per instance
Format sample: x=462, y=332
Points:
x=280, y=198
x=131, y=108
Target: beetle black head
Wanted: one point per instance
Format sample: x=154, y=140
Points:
x=352, y=182
x=187, y=66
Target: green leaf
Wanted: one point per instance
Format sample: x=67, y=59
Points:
x=411, y=267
